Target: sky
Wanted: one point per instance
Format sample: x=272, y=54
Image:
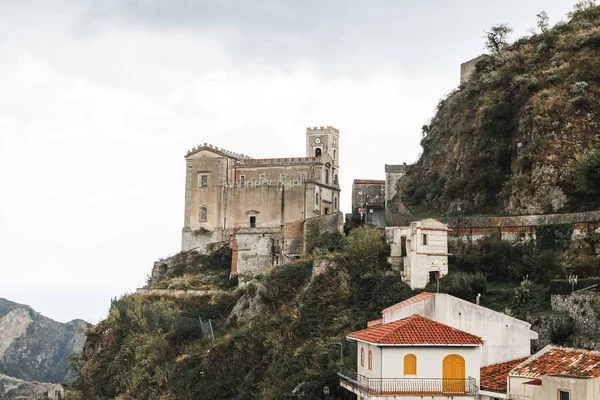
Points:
x=101, y=99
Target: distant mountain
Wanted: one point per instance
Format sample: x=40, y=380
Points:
x=13, y=388
x=35, y=348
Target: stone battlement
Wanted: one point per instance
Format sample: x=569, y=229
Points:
x=251, y=162
x=209, y=146
x=322, y=129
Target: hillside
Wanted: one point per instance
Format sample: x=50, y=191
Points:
x=275, y=338
x=522, y=135
x=12, y=388
x=35, y=348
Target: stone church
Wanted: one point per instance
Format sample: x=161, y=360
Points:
x=251, y=203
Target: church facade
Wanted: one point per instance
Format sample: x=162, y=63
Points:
x=228, y=193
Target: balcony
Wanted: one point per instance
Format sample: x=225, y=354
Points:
x=407, y=386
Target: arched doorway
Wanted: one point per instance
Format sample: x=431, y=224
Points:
x=453, y=374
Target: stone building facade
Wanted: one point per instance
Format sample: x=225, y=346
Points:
x=368, y=196
x=420, y=251
x=259, y=206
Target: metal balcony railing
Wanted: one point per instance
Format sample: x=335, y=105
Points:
x=409, y=386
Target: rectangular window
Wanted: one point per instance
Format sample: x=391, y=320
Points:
x=203, y=214
x=253, y=221
x=262, y=179
x=564, y=395
x=302, y=178
x=403, y=246
x=327, y=176
x=202, y=180
x=242, y=180
x=424, y=240
x=282, y=178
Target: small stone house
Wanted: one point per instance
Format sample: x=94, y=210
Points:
x=419, y=251
x=56, y=392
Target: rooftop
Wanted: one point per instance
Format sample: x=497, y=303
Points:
x=415, y=330
x=414, y=299
x=553, y=360
x=369, y=181
x=494, y=377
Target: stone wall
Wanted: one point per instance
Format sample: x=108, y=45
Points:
x=522, y=228
x=467, y=68
x=579, y=305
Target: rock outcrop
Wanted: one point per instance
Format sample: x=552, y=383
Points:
x=35, y=348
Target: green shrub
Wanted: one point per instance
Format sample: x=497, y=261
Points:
x=562, y=286
x=587, y=174
x=464, y=285
x=561, y=329
x=592, y=41
x=554, y=236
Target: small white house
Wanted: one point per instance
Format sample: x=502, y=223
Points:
x=420, y=251
x=412, y=358
x=506, y=338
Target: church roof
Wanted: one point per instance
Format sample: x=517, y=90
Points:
x=416, y=330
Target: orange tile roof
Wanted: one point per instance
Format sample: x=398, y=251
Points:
x=374, y=322
x=414, y=299
x=415, y=330
x=560, y=361
x=493, y=377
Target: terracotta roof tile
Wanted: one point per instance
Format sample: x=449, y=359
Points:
x=494, y=377
x=375, y=322
x=561, y=361
x=415, y=330
x=414, y=299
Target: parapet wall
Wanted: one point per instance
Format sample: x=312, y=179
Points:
x=522, y=220
x=520, y=228
x=317, y=129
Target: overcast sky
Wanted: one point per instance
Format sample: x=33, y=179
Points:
x=100, y=100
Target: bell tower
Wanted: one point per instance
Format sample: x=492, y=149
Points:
x=324, y=140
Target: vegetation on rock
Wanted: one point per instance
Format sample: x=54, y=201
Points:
x=521, y=136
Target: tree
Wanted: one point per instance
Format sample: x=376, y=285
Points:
x=543, y=21
x=365, y=249
x=496, y=37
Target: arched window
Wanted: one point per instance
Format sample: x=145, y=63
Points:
x=362, y=356
x=335, y=204
x=203, y=213
x=318, y=152
x=370, y=360
x=334, y=154
x=317, y=198
x=410, y=364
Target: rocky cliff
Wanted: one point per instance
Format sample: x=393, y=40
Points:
x=522, y=135
x=35, y=348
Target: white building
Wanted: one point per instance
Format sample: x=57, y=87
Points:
x=505, y=338
x=420, y=251
x=557, y=373
x=412, y=358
